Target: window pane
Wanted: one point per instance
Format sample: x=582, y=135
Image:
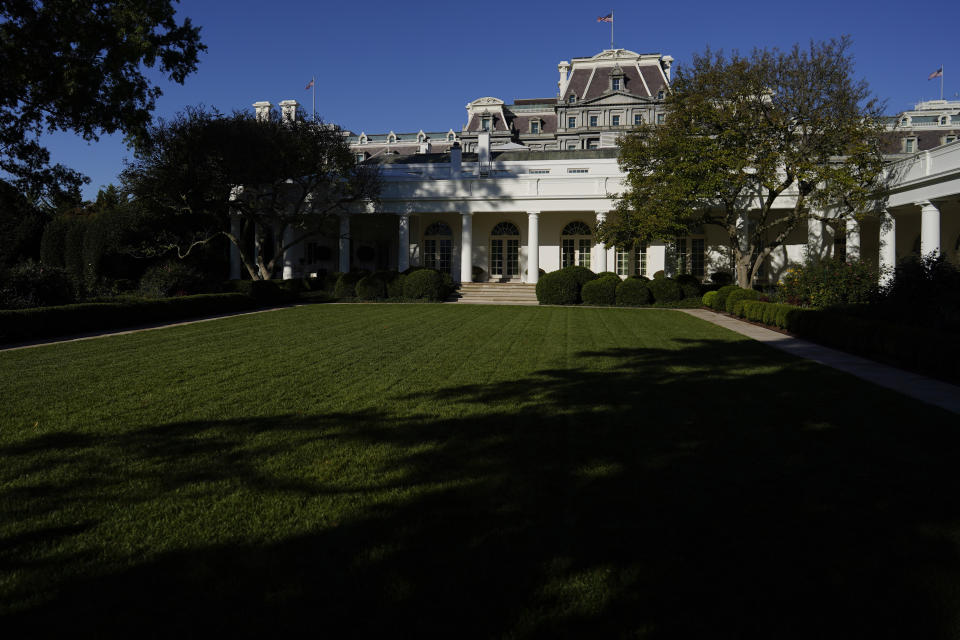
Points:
x=571, y=123
x=566, y=253
x=513, y=257
x=697, y=251
x=615, y=121
x=584, y=246
x=681, y=246
x=496, y=257
x=444, y=259
x=640, y=261
x=623, y=263
x=430, y=254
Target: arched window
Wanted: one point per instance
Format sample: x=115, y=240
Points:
x=575, y=242
x=391, y=138
x=505, y=250
x=437, y=247
x=572, y=98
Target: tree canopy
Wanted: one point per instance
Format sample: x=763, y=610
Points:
x=79, y=66
x=263, y=184
x=754, y=145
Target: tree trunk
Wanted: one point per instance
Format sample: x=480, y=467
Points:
x=744, y=268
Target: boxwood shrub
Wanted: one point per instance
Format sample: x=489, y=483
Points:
x=371, y=287
x=708, y=298
x=633, y=292
x=740, y=294
x=346, y=286
x=665, y=290
x=558, y=287
x=602, y=291
x=720, y=301
x=425, y=284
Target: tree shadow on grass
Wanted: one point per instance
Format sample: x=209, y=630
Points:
x=720, y=490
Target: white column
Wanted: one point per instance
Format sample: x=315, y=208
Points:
x=236, y=229
x=888, y=246
x=533, y=247
x=403, y=248
x=929, y=228
x=289, y=255
x=853, y=239
x=344, y=242
x=601, y=261
x=466, y=247
x=816, y=247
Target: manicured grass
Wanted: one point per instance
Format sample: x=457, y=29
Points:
x=417, y=470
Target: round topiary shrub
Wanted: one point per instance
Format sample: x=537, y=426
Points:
x=424, y=284
x=346, y=286
x=641, y=278
x=720, y=300
x=707, y=298
x=371, y=287
x=633, y=292
x=602, y=291
x=690, y=285
x=665, y=290
x=558, y=287
x=740, y=294
x=395, y=285
x=604, y=274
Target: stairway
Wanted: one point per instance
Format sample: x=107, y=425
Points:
x=495, y=293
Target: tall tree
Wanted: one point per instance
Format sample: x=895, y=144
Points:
x=265, y=185
x=755, y=145
x=79, y=66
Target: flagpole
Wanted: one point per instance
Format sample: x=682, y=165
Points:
x=313, y=106
x=941, y=81
x=611, y=28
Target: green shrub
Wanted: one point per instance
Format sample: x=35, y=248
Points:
x=346, y=286
x=170, y=278
x=371, y=287
x=665, y=290
x=720, y=301
x=606, y=274
x=659, y=275
x=602, y=291
x=740, y=294
x=264, y=292
x=31, y=284
x=582, y=275
x=425, y=284
x=708, y=298
x=636, y=277
x=558, y=287
x=721, y=278
x=825, y=283
x=395, y=286
x=633, y=292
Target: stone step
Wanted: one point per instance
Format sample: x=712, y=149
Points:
x=508, y=293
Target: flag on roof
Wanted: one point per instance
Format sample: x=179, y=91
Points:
x=309, y=85
x=936, y=74
x=606, y=18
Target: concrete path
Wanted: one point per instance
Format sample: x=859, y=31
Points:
x=935, y=392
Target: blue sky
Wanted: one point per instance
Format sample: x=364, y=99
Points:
x=384, y=66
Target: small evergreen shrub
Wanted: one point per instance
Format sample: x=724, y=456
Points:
x=265, y=292
x=371, y=287
x=720, y=300
x=740, y=294
x=425, y=284
x=602, y=291
x=604, y=274
x=826, y=283
x=346, y=286
x=582, y=275
x=690, y=285
x=633, y=292
x=558, y=287
x=170, y=278
x=395, y=286
x=665, y=290
x=708, y=298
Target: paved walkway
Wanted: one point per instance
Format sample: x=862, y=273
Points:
x=935, y=392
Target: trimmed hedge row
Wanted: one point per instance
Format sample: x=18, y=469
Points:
x=39, y=322
x=602, y=291
x=575, y=285
x=931, y=351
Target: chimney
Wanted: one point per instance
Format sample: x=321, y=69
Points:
x=288, y=109
x=483, y=152
x=264, y=110
x=455, y=161
x=666, y=62
x=563, y=68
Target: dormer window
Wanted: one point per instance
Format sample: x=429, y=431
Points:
x=660, y=94
x=615, y=83
x=363, y=138
x=904, y=121
x=572, y=98
x=392, y=138
x=909, y=145
x=485, y=123
x=451, y=137
x=943, y=120
x=534, y=126
x=421, y=137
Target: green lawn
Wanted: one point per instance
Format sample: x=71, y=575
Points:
x=464, y=471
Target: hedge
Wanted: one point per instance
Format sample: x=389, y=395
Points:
x=371, y=287
x=558, y=287
x=425, y=284
x=720, y=300
x=25, y=324
x=708, y=298
x=633, y=292
x=602, y=291
x=346, y=286
x=735, y=296
x=665, y=290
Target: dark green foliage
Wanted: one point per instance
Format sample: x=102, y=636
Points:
x=425, y=284
x=633, y=292
x=346, y=286
x=24, y=324
x=581, y=275
x=602, y=291
x=30, y=284
x=665, y=290
x=722, y=278
x=708, y=298
x=170, y=278
x=824, y=283
x=558, y=287
x=605, y=274
x=371, y=287
x=690, y=284
x=720, y=300
x=659, y=275
x=924, y=292
x=641, y=278
x=395, y=285
x=739, y=294
x=264, y=292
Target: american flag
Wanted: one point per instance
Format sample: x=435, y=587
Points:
x=606, y=18
x=309, y=85
x=936, y=74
